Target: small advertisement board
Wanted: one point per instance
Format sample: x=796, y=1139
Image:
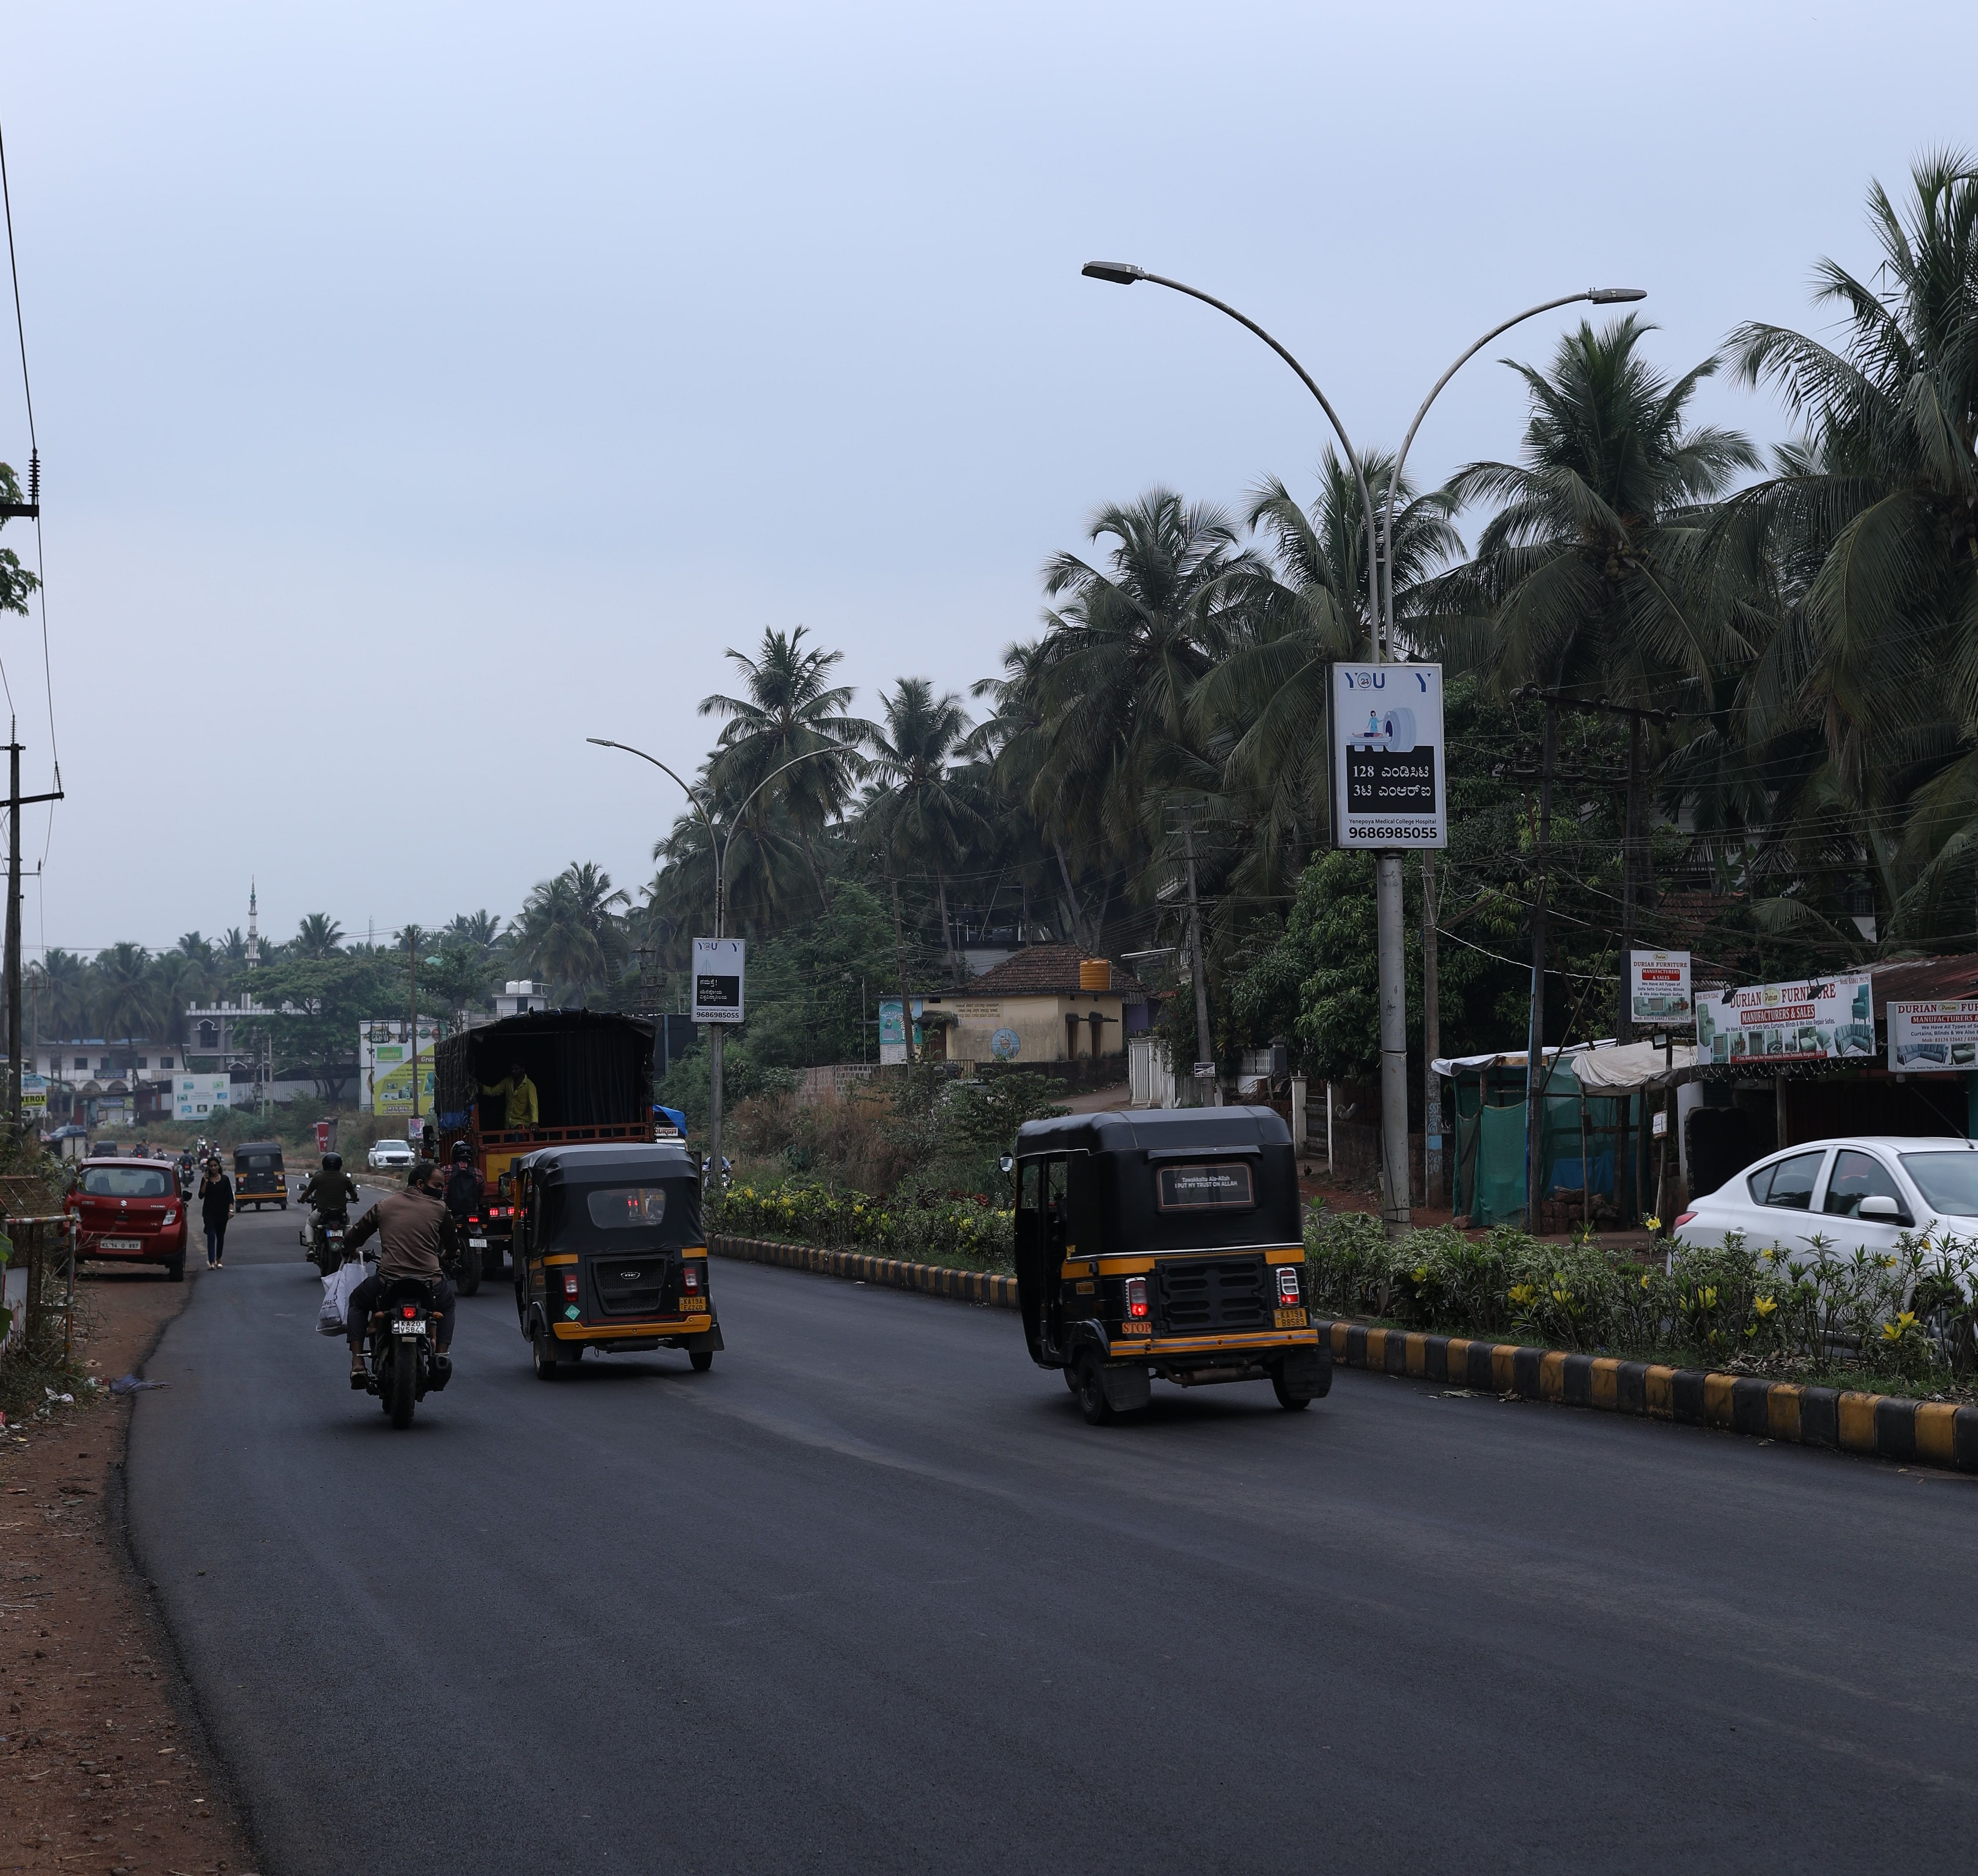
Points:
x=198, y=1097
x=1927, y=1036
x=1767, y=1026
x=718, y=973
x=1659, y=987
x=1387, y=765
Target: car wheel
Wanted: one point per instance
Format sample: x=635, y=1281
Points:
x=175, y=1269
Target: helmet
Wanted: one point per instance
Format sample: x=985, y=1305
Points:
x=461, y=1152
x=332, y=1162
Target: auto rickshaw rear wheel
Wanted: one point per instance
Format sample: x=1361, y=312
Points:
x=1289, y=1402
x=700, y=1360
x=544, y=1351
x=1091, y=1391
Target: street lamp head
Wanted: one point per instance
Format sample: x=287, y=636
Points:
x=603, y=742
x=1120, y=272
x=1610, y=295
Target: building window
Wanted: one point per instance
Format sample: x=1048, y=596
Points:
x=165, y=1063
x=103, y=1066
x=82, y=1062
x=145, y=1062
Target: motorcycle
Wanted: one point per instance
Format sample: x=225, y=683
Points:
x=474, y=1242
x=323, y=1243
x=404, y=1366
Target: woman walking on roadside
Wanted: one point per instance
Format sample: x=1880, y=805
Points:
x=216, y=1206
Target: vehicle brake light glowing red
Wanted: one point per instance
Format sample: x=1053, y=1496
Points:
x=408, y=1311
x=1287, y=1286
x=1136, y=1298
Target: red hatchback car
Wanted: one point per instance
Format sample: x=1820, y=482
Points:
x=130, y=1212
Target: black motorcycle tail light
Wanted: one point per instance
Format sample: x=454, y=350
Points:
x=409, y=1311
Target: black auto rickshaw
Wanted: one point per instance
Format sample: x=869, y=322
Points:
x=1164, y=1242
x=609, y=1253
x=259, y=1176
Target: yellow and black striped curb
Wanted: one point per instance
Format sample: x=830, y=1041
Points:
x=1925, y=1432
x=931, y=1279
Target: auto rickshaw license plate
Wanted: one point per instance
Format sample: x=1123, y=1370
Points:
x=122, y=1244
x=1290, y=1319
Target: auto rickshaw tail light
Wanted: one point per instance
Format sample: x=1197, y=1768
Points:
x=1287, y=1286
x=691, y=1279
x=1136, y=1298
x=570, y=1283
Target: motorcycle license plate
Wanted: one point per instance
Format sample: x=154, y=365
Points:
x=408, y=1329
x=477, y=1244
x=122, y=1244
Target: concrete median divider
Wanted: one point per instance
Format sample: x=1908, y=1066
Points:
x=1886, y=1426
x=983, y=1287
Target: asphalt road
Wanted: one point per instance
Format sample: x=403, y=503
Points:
x=872, y=1597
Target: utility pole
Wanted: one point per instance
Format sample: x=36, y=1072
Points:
x=412, y=1026
x=1535, y=1076
x=1203, y=1052
x=16, y=800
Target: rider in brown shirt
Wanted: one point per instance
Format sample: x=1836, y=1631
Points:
x=416, y=1238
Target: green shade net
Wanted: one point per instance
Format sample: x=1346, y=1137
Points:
x=1489, y=1183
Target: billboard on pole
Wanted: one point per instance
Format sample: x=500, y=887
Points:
x=718, y=972
x=1389, y=773
x=1658, y=986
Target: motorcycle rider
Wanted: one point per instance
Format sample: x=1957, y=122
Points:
x=331, y=1190
x=463, y=1187
x=416, y=1239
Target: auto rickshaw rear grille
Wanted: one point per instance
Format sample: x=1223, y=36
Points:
x=1221, y=1293
x=638, y=1289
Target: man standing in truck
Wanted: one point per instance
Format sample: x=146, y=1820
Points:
x=521, y=1093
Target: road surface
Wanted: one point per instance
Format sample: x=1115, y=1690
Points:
x=870, y=1597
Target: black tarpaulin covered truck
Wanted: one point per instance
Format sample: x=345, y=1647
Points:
x=593, y=1078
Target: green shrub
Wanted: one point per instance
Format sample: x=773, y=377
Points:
x=954, y=1227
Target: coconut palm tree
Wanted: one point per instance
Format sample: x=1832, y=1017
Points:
x=319, y=936
x=1127, y=644
x=568, y=931
x=123, y=992
x=59, y=985
x=1873, y=520
x=791, y=709
x=918, y=811
x=472, y=931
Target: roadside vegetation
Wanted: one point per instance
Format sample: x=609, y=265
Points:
x=1901, y=1322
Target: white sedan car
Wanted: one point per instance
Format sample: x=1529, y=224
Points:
x=388, y=1153
x=1860, y=1193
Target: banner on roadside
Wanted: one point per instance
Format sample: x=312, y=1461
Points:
x=718, y=969
x=1658, y=986
x=1769, y=1025
x=1942, y=1035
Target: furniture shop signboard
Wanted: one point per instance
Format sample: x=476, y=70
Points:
x=1659, y=987
x=1769, y=1025
x=718, y=965
x=1927, y=1036
x=1389, y=773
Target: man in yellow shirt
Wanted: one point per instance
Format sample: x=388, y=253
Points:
x=522, y=1097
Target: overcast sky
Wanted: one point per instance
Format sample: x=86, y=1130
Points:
x=423, y=388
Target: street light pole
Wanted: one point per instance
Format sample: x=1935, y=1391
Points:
x=718, y=847
x=1380, y=622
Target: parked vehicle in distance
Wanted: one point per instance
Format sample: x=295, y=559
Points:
x=259, y=1176
x=1865, y=1191
x=609, y=1254
x=388, y=1154
x=1164, y=1242
x=129, y=1211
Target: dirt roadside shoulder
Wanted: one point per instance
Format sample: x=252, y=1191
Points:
x=103, y=1762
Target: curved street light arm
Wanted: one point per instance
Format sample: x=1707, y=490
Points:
x=1394, y=480
x=1339, y=429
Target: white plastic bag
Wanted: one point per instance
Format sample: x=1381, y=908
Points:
x=336, y=1288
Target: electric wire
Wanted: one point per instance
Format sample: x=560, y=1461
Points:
x=34, y=454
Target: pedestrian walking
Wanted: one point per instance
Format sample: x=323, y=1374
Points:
x=216, y=1206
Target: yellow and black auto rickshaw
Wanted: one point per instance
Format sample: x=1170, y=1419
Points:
x=609, y=1255
x=1166, y=1244
x=259, y=1176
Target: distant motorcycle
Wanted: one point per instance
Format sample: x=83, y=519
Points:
x=399, y=1350
x=323, y=1242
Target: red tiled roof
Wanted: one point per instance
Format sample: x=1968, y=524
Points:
x=1046, y=970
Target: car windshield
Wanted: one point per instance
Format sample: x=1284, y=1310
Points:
x=125, y=1182
x=1947, y=1180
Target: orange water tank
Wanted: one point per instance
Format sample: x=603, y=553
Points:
x=1094, y=973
